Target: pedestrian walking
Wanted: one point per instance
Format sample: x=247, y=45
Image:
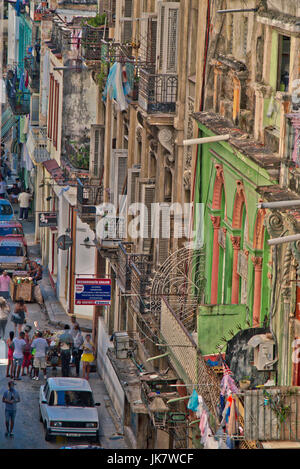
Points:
x=4, y=313
x=27, y=352
x=18, y=355
x=77, y=349
x=24, y=199
x=87, y=356
x=65, y=344
x=39, y=362
x=19, y=315
x=10, y=358
x=10, y=398
x=5, y=282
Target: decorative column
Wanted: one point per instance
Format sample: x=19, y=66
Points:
x=257, y=262
x=215, y=260
x=236, y=243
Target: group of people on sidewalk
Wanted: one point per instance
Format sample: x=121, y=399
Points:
x=81, y=350
x=26, y=353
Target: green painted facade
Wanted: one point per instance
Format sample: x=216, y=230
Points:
x=216, y=321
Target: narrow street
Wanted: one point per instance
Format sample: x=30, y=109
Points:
x=28, y=431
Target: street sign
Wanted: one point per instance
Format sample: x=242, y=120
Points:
x=47, y=219
x=92, y=291
x=64, y=242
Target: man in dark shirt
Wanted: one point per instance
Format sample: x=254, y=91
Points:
x=65, y=344
x=10, y=398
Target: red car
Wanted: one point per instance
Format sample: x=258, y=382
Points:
x=12, y=229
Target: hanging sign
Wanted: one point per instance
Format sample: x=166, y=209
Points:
x=64, y=242
x=92, y=291
x=47, y=219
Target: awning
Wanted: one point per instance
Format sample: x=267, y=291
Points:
x=8, y=120
x=54, y=169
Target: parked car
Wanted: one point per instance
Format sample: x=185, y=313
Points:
x=13, y=253
x=6, y=210
x=12, y=228
x=67, y=408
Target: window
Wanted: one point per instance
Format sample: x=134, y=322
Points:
x=50, y=107
x=284, y=48
x=16, y=251
x=55, y=120
x=6, y=209
x=167, y=40
x=10, y=230
x=71, y=398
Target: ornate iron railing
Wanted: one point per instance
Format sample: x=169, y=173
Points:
x=91, y=42
x=89, y=195
x=157, y=92
x=33, y=69
x=37, y=144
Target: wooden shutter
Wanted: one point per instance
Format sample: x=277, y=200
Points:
x=118, y=174
x=163, y=242
x=34, y=109
x=127, y=21
x=50, y=106
x=147, y=198
x=97, y=150
x=133, y=175
x=148, y=36
x=167, y=37
x=55, y=113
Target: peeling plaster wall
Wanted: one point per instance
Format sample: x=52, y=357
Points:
x=79, y=105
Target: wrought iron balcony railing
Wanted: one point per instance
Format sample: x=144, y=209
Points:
x=33, y=69
x=89, y=195
x=91, y=42
x=157, y=92
x=37, y=144
x=19, y=102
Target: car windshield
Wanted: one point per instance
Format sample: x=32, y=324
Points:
x=71, y=398
x=5, y=209
x=10, y=230
x=11, y=251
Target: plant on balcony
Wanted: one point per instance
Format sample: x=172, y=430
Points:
x=79, y=156
x=101, y=76
x=96, y=21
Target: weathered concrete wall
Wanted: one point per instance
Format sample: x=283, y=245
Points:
x=79, y=105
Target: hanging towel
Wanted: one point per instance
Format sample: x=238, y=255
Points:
x=193, y=401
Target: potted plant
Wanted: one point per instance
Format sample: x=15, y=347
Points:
x=244, y=383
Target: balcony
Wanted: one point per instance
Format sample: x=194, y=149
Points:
x=91, y=42
x=33, y=69
x=89, y=195
x=37, y=144
x=157, y=92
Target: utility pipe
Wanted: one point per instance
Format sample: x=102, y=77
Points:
x=284, y=239
x=158, y=356
x=197, y=141
x=279, y=204
x=239, y=10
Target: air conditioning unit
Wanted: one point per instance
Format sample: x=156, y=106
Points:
x=264, y=351
x=121, y=344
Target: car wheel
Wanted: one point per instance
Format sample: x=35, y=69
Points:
x=47, y=433
x=40, y=414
